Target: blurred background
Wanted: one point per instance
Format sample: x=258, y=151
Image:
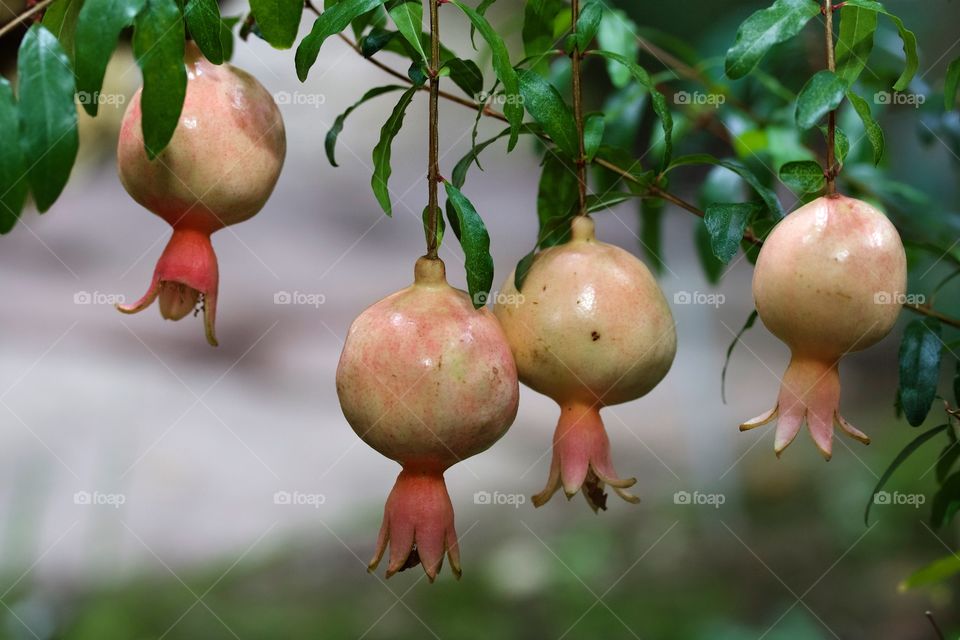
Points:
x=153, y=487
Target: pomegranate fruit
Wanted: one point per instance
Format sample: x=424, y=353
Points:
x=426, y=380
x=827, y=282
x=591, y=328
x=219, y=169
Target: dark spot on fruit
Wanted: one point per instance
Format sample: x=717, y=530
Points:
x=544, y=288
x=594, y=335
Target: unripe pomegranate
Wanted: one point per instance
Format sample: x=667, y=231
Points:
x=827, y=282
x=426, y=380
x=219, y=169
x=591, y=328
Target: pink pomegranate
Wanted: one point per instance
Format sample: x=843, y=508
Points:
x=590, y=328
x=426, y=380
x=827, y=282
x=218, y=170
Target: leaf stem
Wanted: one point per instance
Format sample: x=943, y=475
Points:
x=832, y=169
x=577, y=57
x=433, y=217
x=10, y=26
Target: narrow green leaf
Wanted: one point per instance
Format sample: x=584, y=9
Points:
x=459, y=175
x=803, y=177
x=523, y=268
x=658, y=100
x=205, y=25
x=766, y=194
x=330, y=143
x=466, y=75
x=158, y=47
x=475, y=242
x=651, y=232
x=751, y=320
x=48, y=114
x=98, y=28
x=855, y=42
x=920, y=353
x=278, y=20
x=822, y=94
x=13, y=181
x=765, y=28
x=956, y=384
x=618, y=34
x=539, y=30
x=330, y=22
x=870, y=125
x=946, y=502
x=61, y=19
x=441, y=226
x=589, y=23
x=726, y=223
x=907, y=451
x=542, y=101
x=408, y=16
x=513, y=105
x=482, y=10
x=383, y=150
x=226, y=36
x=557, y=197
x=603, y=201
x=934, y=573
x=713, y=269
x=950, y=85
x=593, y=129
x=948, y=457
x=908, y=38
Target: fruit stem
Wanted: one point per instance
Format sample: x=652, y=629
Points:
x=832, y=169
x=577, y=57
x=434, y=169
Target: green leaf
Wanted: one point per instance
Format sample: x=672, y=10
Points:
x=651, y=232
x=618, y=34
x=712, y=267
x=765, y=28
x=61, y=19
x=278, y=20
x=588, y=24
x=822, y=94
x=330, y=22
x=933, y=573
x=956, y=384
x=330, y=143
x=226, y=36
x=441, y=225
x=907, y=451
x=459, y=175
x=870, y=126
x=946, y=461
x=751, y=320
x=593, y=129
x=803, y=177
x=475, y=242
x=48, y=114
x=608, y=200
x=539, y=32
x=950, y=85
x=205, y=25
x=557, y=197
x=766, y=194
x=547, y=106
x=523, y=268
x=13, y=183
x=158, y=47
x=408, y=16
x=726, y=223
x=855, y=42
x=98, y=28
x=513, y=105
x=920, y=353
x=658, y=100
x=908, y=37
x=382, y=152
x=466, y=75
x=482, y=10
x=946, y=502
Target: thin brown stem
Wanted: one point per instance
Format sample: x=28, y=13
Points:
x=831, y=172
x=10, y=26
x=577, y=57
x=433, y=217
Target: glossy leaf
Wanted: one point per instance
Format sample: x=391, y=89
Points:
x=593, y=129
x=98, y=29
x=618, y=34
x=908, y=38
x=855, y=42
x=158, y=47
x=13, y=179
x=934, y=573
x=542, y=100
x=278, y=20
x=726, y=223
x=61, y=19
x=950, y=85
x=205, y=25
x=482, y=10
x=920, y=353
x=48, y=114
x=539, y=33
x=330, y=143
x=712, y=267
x=523, y=268
x=382, y=152
x=767, y=195
x=475, y=242
x=651, y=232
x=820, y=95
x=765, y=28
x=591, y=14
x=870, y=125
x=466, y=75
x=948, y=458
x=408, y=16
x=557, y=198
x=803, y=177
x=905, y=453
x=330, y=22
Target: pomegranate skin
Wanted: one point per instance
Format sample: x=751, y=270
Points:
x=828, y=282
x=426, y=380
x=590, y=328
x=219, y=169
